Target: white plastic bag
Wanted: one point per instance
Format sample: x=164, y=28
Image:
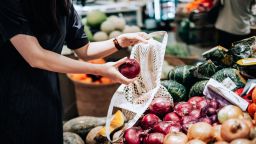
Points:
x=135, y=98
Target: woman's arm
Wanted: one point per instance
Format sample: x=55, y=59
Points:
x=102, y=49
x=38, y=57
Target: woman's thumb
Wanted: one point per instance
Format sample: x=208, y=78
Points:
x=121, y=61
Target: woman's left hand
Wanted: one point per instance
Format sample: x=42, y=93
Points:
x=130, y=39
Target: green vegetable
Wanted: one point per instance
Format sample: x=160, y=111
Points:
x=177, y=90
x=198, y=88
x=247, y=67
x=219, y=56
x=248, y=41
x=182, y=75
x=204, y=70
x=177, y=50
x=95, y=18
x=88, y=33
x=231, y=73
x=240, y=51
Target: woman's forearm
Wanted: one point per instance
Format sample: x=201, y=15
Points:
x=41, y=58
x=95, y=50
x=105, y=48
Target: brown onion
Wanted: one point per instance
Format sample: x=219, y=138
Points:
x=196, y=141
x=234, y=129
x=221, y=142
x=241, y=141
x=202, y=131
x=217, y=134
x=229, y=112
x=175, y=138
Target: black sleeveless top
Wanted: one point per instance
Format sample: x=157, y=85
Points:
x=30, y=102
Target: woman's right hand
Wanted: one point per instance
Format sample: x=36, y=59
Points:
x=111, y=71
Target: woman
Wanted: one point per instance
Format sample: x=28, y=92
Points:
x=32, y=34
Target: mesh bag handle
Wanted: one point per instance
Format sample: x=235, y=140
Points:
x=135, y=98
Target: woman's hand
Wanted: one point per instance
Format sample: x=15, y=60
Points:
x=111, y=71
x=130, y=39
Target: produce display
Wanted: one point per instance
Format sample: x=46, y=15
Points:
x=99, y=27
x=195, y=117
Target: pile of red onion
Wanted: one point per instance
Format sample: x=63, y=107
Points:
x=161, y=119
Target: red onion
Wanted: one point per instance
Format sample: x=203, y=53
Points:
x=187, y=119
x=211, y=111
x=154, y=138
x=194, y=100
x=130, y=69
x=160, y=106
x=195, y=113
x=214, y=118
x=165, y=127
x=214, y=104
x=202, y=104
x=183, y=108
x=187, y=125
x=173, y=128
x=161, y=127
x=172, y=116
x=132, y=135
x=206, y=120
x=149, y=120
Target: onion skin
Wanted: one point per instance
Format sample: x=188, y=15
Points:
x=229, y=112
x=202, y=131
x=241, y=141
x=211, y=111
x=214, y=104
x=164, y=127
x=173, y=128
x=186, y=126
x=221, y=142
x=196, y=141
x=149, y=120
x=154, y=138
x=132, y=135
x=234, y=129
x=130, y=69
x=217, y=133
x=160, y=106
x=194, y=100
x=183, y=108
x=202, y=104
x=172, y=116
x=214, y=119
x=206, y=120
x=176, y=138
x=196, y=113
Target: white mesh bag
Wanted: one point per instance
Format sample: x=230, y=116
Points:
x=135, y=98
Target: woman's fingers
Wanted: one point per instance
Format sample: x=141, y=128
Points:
x=120, y=62
x=141, y=39
x=144, y=35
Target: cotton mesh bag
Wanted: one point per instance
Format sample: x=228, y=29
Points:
x=134, y=99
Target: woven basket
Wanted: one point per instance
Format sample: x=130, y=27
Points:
x=93, y=99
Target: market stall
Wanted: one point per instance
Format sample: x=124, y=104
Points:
x=191, y=68
x=212, y=89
